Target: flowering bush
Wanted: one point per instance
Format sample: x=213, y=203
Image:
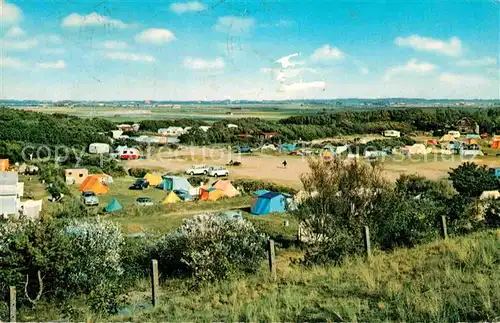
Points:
x=211, y=247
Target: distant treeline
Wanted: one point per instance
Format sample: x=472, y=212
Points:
x=344, y=123
x=55, y=129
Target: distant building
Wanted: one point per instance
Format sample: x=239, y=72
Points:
x=230, y=125
x=75, y=176
x=392, y=133
x=9, y=199
x=467, y=125
x=171, y=131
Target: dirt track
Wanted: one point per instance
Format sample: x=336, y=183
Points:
x=268, y=167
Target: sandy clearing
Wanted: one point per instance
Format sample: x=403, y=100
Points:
x=268, y=167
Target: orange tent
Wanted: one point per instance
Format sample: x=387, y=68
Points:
x=104, y=178
x=4, y=165
x=227, y=187
x=495, y=144
x=211, y=194
x=93, y=184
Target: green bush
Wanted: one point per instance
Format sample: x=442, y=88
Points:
x=249, y=186
x=210, y=248
x=138, y=172
x=72, y=207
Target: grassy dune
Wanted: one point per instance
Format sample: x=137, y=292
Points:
x=454, y=280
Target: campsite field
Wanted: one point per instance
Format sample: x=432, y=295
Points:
x=162, y=218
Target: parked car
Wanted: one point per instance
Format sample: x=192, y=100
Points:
x=144, y=201
x=218, y=171
x=243, y=149
x=198, y=170
x=90, y=199
x=184, y=195
x=140, y=184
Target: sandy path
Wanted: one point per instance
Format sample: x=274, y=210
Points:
x=268, y=167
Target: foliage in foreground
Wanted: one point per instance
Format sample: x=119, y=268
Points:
x=444, y=281
x=210, y=248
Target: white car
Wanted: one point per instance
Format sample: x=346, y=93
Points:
x=198, y=170
x=218, y=171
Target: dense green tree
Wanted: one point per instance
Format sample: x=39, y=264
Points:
x=470, y=179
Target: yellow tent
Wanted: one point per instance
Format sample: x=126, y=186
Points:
x=153, y=179
x=211, y=194
x=447, y=138
x=171, y=198
x=227, y=187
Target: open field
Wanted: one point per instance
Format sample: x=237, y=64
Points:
x=191, y=111
x=268, y=167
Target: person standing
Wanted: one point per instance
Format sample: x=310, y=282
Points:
x=284, y=163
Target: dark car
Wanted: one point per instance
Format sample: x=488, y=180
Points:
x=140, y=184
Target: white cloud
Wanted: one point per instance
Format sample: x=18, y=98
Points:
x=412, y=67
x=155, y=36
x=364, y=70
x=294, y=87
x=202, y=64
x=10, y=62
x=286, y=63
x=10, y=14
x=234, y=25
x=91, y=20
x=452, y=47
x=114, y=44
x=53, y=38
x=27, y=44
x=60, y=64
x=282, y=75
x=124, y=56
x=55, y=51
x=15, y=32
x=463, y=79
x=183, y=7
x=480, y=62
x=327, y=53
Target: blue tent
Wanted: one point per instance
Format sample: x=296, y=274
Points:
x=288, y=147
x=268, y=203
x=259, y=192
x=471, y=136
x=170, y=183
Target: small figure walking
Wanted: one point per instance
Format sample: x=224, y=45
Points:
x=284, y=163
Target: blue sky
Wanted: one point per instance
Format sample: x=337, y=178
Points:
x=197, y=50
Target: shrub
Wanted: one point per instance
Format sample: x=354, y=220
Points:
x=249, y=186
x=210, y=247
x=492, y=215
x=138, y=172
x=72, y=207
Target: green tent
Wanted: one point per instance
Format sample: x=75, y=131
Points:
x=113, y=206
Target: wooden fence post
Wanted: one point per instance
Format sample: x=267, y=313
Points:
x=12, y=304
x=155, y=285
x=368, y=245
x=444, y=227
x=272, y=259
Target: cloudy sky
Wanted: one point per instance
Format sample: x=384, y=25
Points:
x=197, y=50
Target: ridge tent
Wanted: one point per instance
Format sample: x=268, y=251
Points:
x=288, y=147
x=269, y=202
x=171, y=198
x=211, y=194
x=153, y=180
x=227, y=187
x=113, y=206
x=93, y=184
x=170, y=183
